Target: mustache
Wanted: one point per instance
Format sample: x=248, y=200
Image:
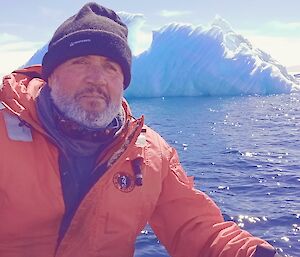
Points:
x=92, y=89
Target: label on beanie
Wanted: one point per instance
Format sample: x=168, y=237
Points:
x=80, y=41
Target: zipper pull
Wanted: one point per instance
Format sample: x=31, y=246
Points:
x=137, y=169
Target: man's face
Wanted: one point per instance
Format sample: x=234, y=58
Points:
x=88, y=89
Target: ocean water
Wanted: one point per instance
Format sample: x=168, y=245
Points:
x=244, y=152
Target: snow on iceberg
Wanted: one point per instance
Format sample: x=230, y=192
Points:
x=37, y=57
x=187, y=60
x=184, y=60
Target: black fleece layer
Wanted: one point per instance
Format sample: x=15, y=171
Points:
x=77, y=158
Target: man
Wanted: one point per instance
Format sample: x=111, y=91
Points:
x=79, y=176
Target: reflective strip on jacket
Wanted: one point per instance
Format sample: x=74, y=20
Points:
x=116, y=209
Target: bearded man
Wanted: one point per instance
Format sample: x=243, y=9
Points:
x=79, y=176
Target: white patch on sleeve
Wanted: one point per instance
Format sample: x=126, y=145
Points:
x=2, y=106
x=141, y=140
x=15, y=131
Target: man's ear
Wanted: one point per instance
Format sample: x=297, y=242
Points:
x=50, y=80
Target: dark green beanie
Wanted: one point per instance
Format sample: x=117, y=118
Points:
x=94, y=30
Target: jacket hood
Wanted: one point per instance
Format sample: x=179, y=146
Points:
x=19, y=90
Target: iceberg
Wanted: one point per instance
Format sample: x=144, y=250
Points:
x=37, y=57
x=189, y=60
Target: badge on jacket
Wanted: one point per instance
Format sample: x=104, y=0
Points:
x=124, y=182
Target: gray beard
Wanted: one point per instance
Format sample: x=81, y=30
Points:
x=90, y=119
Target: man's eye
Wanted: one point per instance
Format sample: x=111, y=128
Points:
x=80, y=61
x=111, y=67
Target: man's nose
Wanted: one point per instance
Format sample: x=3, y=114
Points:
x=96, y=74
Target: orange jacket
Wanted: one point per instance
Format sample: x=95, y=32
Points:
x=115, y=210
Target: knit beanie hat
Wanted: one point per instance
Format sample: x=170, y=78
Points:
x=94, y=30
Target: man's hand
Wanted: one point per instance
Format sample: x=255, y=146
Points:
x=278, y=255
x=263, y=251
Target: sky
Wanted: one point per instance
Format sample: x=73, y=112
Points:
x=271, y=25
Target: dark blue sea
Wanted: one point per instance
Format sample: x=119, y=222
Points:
x=244, y=152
